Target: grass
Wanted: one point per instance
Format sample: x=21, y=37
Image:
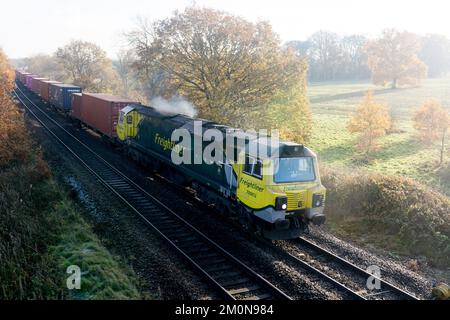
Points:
x=399, y=153
x=104, y=276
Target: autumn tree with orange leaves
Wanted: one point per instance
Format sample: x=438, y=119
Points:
x=14, y=143
x=393, y=59
x=371, y=120
x=432, y=121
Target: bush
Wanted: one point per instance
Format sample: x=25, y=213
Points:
x=396, y=212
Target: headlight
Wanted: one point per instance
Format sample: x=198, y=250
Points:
x=317, y=200
x=281, y=203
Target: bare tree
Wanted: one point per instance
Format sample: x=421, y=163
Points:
x=88, y=66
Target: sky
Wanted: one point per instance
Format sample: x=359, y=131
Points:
x=29, y=27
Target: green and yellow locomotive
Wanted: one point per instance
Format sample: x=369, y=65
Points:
x=276, y=194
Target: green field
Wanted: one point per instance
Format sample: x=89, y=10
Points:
x=399, y=153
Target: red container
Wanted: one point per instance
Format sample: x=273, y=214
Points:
x=44, y=87
x=99, y=111
x=36, y=84
x=22, y=76
x=29, y=79
x=76, y=105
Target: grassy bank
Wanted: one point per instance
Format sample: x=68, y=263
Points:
x=42, y=231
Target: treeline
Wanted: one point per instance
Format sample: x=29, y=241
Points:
x=333, y=57
x=237, y=72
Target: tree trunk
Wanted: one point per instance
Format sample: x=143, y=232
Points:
x=394, y=83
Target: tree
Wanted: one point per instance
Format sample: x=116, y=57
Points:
x=44, y=65
x=14, y=144
x=6, y=75
x=435, y=54
x=353, y=64
x=86, y=64
x=226, y=66
x=371, y=120
x=124, y=67
x=324, y=55
x=431, y=121
x=331, y=57
x=393, y=58
x=291, y=115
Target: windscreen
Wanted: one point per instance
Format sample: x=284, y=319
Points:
x=294, y=170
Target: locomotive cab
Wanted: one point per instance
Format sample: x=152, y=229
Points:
x=281, y=192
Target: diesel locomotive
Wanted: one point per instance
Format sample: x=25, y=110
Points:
x=277, y=193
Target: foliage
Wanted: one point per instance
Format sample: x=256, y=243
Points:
x=393, y=58
x=371, y=120
x=87, y=65
x=393, y=212
x=6, y=74
x=431, y=121
x=226, y=66
x=14, y=143
x=289, y=113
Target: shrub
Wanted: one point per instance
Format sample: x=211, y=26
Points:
x=397, y=212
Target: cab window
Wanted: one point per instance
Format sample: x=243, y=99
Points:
x=129, y=119
x=248, y=165
x=253, y=167
x=257, y=169
x=121, y=117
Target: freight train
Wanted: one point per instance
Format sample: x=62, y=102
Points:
x=277, y=193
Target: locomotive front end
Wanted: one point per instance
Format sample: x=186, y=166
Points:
x=286, y=194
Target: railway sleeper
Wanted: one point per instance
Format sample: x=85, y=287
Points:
x=217, y=261
x=202, y=256
x=228, y=274
x=218, y=267
x=234, y=282
x=234, y=292
x=262, y=296
x=196, y=248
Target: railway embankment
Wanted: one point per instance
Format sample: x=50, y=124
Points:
x=45, y=243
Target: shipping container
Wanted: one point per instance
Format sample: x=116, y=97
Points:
x=18, y=75
x=44, y=89
x=24, y=77
x=36, y=84
x=60, y=95
x=29, y=79
x=100, y=111
x=21, y=76
x=75, y=112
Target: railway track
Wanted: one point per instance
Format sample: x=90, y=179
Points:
x=355, y=278
x=228, y=274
